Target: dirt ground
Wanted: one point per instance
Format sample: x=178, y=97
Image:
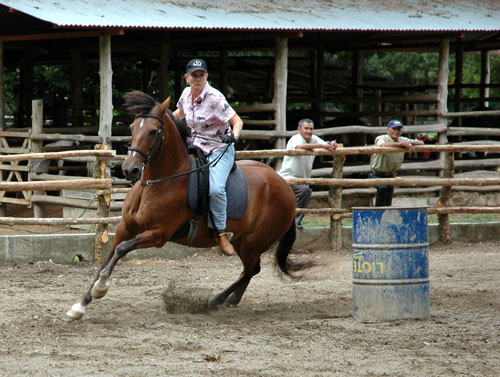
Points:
x=153, y=323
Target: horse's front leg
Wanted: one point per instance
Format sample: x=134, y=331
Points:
x=99, y=287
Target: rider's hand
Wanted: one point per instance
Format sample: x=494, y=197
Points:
x=229, y=139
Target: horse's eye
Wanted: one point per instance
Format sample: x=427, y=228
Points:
x=152, y=133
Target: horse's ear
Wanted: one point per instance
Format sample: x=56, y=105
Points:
x=164, y=106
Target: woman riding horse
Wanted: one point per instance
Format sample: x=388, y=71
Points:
x=156, y=208
x=209, y=117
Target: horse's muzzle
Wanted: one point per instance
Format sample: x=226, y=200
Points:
x=132, y=172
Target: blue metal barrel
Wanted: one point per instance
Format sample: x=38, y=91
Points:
x=390, y=263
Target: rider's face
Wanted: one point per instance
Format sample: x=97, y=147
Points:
x=196, y=79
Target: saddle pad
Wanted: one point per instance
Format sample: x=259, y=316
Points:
x=236, y=192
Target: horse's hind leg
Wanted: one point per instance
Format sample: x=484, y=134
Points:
x=222, y=297
x=232, y=295
x=235, y=297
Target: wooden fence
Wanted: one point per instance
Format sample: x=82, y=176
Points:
x=336, y=183
x=100, y=182
x=103, y=186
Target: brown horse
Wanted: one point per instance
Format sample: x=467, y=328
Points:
x=153, y=214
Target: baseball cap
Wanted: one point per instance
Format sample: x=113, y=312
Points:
x=394, y=123
x=195, y=65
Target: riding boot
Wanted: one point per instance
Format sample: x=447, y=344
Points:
x=224, y=242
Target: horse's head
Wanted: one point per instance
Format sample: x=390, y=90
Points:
x=148, y=130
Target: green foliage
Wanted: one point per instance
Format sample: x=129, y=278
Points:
x=412, y=68
x=408, y=68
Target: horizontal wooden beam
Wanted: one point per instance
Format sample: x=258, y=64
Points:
x=430, y=211
x=83, y=184
x=407, y=182
x=234, y=38
x=72, y=137
x=58, y=155
x=66, y=35
x=257, y=108
x=58, y=221
x=365, y=150
x=471, y=114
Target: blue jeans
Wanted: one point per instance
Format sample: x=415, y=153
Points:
x=217, y=186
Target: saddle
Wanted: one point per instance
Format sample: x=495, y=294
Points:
x=198, y=198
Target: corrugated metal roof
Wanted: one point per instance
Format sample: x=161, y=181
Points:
x=369, y=15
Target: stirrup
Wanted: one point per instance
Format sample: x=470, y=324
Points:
x=229, y=235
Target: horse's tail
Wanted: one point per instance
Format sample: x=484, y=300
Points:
x=283, y=251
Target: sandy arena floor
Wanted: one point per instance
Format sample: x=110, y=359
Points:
x=152, y=321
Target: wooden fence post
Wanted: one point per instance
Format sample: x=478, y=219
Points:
x=442, y=87
x=335, y=201
x=106, y=87
x=280, y=91
x=36, y=147
x=447, y=158
x=103, y=204
x=445, y=199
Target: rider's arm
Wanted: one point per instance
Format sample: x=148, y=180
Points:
x=237, y=125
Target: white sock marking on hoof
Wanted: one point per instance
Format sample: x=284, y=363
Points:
x=76, y=312
x=100, y=288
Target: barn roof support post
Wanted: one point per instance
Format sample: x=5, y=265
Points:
x=26, y=89
x=357, y=81
x=280, y=91
x=459, y=77
x=2, y=90
x=178, y=75
x=163, y=71
x=318, y=84
x=76, y=88
x=106, y=86
x=223, y=72
x=447, y=172
x=2, y=109
x=485, y=78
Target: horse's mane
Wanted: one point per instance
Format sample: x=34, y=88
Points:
x=137, y=102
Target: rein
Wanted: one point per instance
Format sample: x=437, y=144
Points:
x=214, y=162
x=147, y=157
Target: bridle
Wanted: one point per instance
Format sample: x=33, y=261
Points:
x=159, y=138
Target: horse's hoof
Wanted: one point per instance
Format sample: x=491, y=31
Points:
x=212, y=305
x=231, y=304
x=100, y=288
x=76, y=312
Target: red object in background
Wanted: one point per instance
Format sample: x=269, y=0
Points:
x=425, y=139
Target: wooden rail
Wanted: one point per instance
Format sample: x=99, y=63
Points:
x=103, y=186
x=446, y=183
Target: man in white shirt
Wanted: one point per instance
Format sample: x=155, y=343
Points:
x=301, y=166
